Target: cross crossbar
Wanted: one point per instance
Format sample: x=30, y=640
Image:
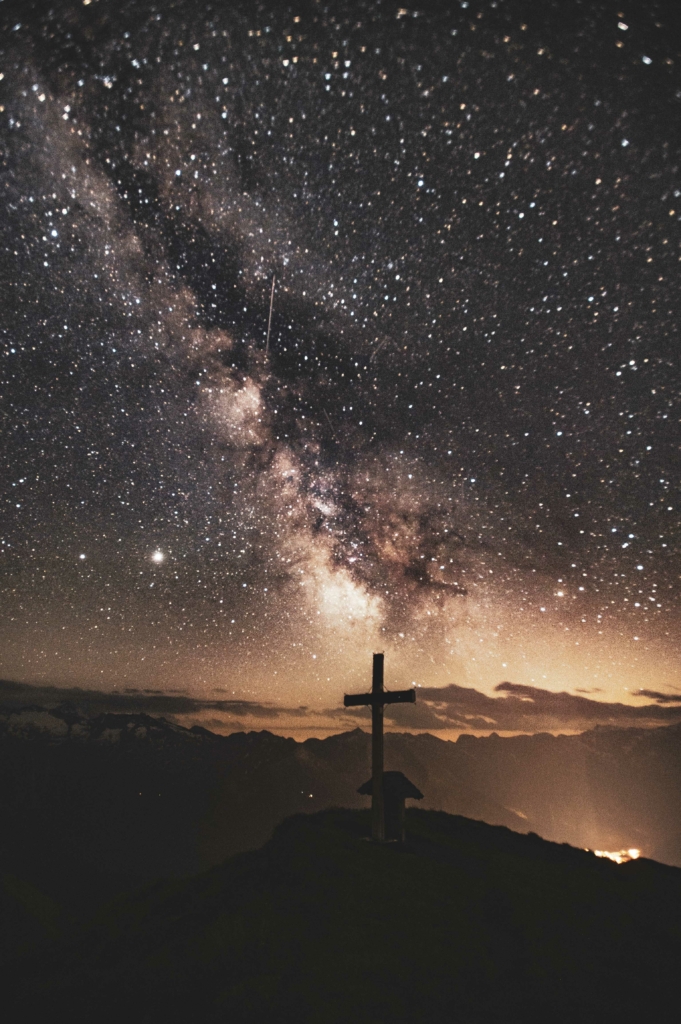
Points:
x=377, y=700
x=353, y=700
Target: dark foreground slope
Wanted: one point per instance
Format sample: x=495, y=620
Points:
x=468, y=923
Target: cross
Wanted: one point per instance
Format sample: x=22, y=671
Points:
x=377, y=699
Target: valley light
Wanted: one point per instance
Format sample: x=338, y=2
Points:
x=619, y=856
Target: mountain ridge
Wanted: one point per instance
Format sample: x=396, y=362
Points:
x=137, y=793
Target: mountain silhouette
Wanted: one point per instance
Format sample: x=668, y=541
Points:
x=93, y=805
x=466, y=922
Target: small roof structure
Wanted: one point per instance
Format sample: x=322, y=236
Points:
x=396, y=785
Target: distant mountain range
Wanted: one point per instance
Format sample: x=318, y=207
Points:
x=466, y=922
x=119, y=796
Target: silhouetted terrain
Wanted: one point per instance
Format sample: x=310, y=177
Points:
x=120, y=799
x=467, y=923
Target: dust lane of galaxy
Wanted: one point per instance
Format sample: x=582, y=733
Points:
x=460, y=443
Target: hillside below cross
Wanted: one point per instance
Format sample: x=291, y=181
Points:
x=377, y=699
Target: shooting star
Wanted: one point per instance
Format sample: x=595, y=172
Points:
x=269, y=321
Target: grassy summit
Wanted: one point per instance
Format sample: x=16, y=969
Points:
x=467, y=922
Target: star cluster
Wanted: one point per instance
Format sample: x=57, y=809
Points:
x=339, y=327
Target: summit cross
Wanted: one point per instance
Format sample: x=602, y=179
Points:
x=377, y=699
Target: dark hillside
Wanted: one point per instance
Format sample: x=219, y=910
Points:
x=467, y=923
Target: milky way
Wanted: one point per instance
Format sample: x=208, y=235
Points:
x=459, y=443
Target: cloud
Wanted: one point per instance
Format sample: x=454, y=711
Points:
x=518, y=708
x=132, y=701
x=530, y=709
x=661, y=698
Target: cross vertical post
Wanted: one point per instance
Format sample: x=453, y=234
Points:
x=377, y=700
x=377, y=803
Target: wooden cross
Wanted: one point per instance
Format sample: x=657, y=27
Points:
x=377, y=699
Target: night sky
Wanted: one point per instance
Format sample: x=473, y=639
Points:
x=460, y=445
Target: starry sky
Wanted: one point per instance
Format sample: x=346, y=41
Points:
x=338, y=327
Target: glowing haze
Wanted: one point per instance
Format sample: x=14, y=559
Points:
x=460, y=445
